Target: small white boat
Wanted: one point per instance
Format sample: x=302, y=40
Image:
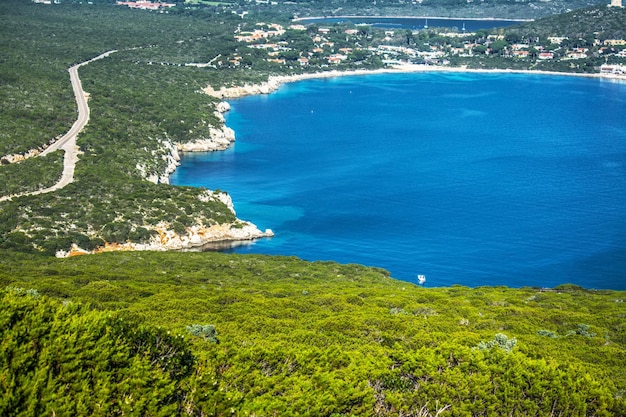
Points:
x=421, y=279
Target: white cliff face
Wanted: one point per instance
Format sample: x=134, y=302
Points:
x=172, y=159
x=223, y=107
x=218, y=140
x=197, y=236
x=168, y=240
x=227, y=200
x=249, y=89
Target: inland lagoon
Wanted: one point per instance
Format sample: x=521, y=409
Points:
x=465, y=178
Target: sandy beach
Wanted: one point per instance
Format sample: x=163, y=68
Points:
x=495, y=19
x=408, y=68
x=275, y=81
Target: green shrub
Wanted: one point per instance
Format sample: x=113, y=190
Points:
x=205, y=331
x=500, y=341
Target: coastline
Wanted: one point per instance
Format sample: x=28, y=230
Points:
x=275, y=81
x=221, y=138
x=494, y=19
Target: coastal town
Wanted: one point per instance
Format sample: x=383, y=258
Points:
x=321, y=45
x=318, y=46
x=335, y=45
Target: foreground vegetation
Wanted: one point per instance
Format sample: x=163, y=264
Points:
x=266, y=335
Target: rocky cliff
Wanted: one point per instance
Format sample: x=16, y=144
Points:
x=166, y=239
x=246, y=90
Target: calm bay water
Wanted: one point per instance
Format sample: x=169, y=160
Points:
x=417, y=23
x=476, y=179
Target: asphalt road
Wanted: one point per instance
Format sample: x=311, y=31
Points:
x=68, y=141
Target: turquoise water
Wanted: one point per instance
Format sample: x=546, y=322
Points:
x=475, y=179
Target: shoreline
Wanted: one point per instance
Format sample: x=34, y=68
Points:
x=275, y=81
x=417, y=68
x=490, y=19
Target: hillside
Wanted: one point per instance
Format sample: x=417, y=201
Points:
x=279, y=336
x=524, y=9
x=605, y=23
x=139, y=114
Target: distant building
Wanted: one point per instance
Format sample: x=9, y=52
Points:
x=556, y=40
x=336, y=58
x=613, y=69
x=616, y=3
x=145, y=5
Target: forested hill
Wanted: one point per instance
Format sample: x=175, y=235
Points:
x=521, y=9
x=603, y=22
x=518, y=9
x=210, y=334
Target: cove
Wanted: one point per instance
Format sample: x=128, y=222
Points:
x=416, y=23
x=471, y=179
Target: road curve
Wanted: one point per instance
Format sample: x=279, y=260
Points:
x=68, y=141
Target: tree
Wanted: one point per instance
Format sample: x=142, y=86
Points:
x=480, y=49
x=61, y=358
x=498, y=47
x=409, y=37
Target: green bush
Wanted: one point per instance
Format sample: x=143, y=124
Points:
x=62, y=359
x=205, y=331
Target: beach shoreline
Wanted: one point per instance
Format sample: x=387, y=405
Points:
x=275, y=81
x=491, y=19
x=419, y=68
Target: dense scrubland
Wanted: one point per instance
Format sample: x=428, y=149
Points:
x=217, y=334
x=137, y=111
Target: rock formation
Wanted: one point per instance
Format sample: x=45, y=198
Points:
x=166, y=239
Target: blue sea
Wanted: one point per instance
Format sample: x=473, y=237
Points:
x=417, y=23
x=466, y=178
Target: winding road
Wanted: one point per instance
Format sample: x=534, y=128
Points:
x=68, y=141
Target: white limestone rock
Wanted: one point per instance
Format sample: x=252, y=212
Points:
x=219, y=140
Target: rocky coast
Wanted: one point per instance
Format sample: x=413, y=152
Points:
x=197, y=236
x=221, y=138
